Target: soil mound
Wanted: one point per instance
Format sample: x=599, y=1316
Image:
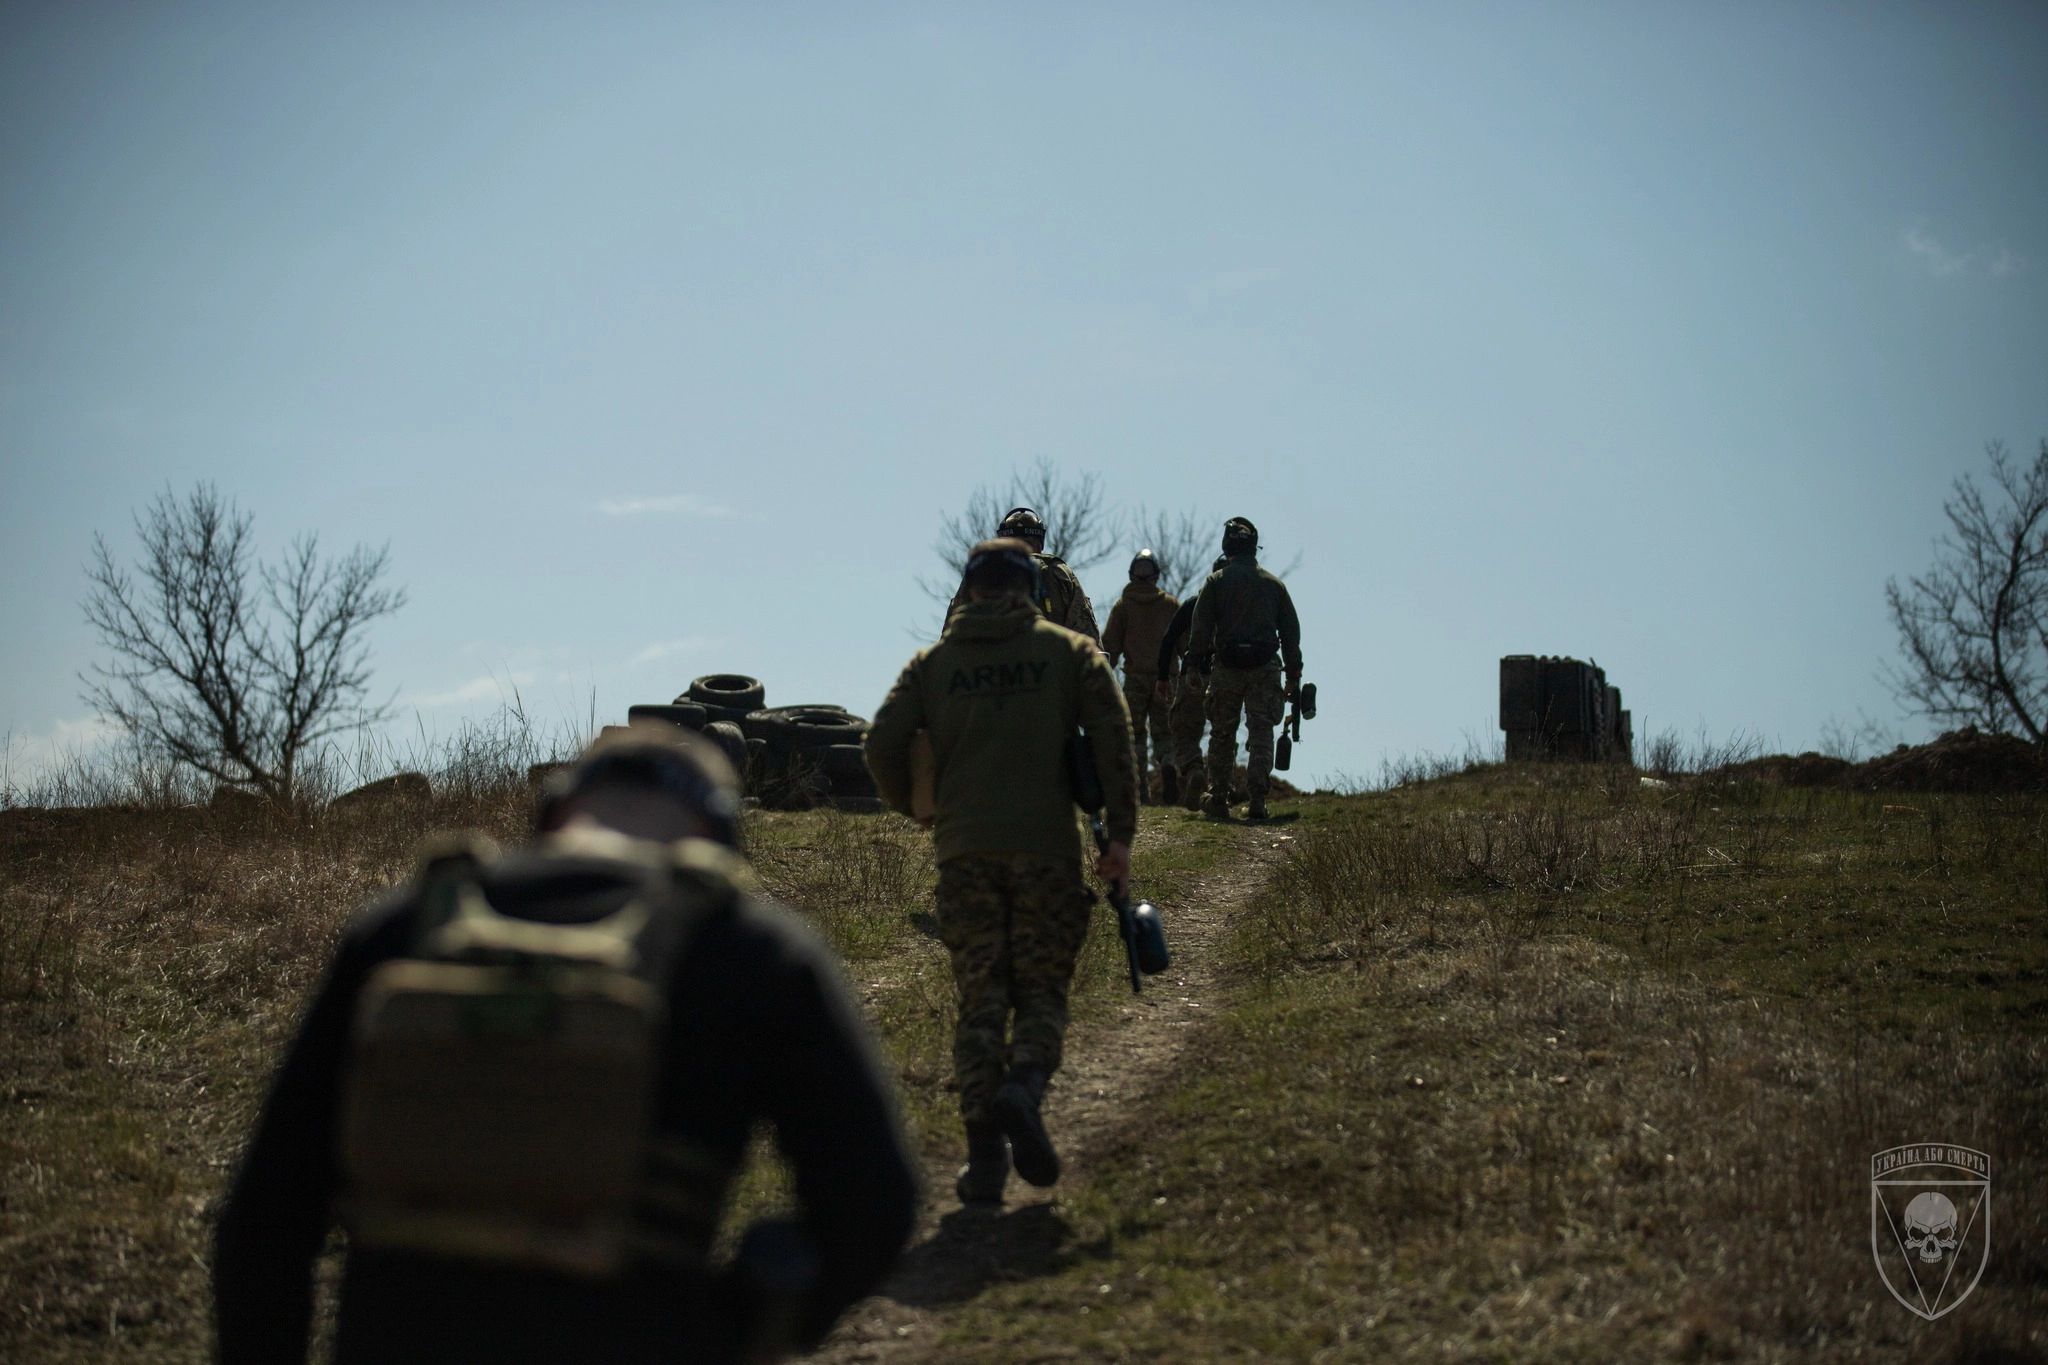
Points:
x=1960, y=761
x=1966, y=760
x=1790, y=770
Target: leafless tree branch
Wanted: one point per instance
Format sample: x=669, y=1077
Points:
x=1185, y=544
x=235, y=684
x=1080, y=527
x=1973, y=630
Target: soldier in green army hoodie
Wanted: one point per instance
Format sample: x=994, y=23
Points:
x=1244, y=634
x=999, y=697
x=1137, y=625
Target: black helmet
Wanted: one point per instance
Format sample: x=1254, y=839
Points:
x=1004, y=563
x=1023, y=524
x=1150, y=562
x=1239, y=536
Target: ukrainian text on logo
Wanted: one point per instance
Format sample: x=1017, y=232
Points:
x=1930, y=1223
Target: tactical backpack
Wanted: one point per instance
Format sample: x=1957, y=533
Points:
x=499, y=1099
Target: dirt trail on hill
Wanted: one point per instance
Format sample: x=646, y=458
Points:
x=1110, y=1064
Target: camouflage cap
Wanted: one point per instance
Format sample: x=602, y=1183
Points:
x=662, y=758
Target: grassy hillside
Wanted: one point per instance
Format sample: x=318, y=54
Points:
x=1552, y=1065
x=1519, y=1064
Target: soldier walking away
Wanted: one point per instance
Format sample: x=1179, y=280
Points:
x=1244, y=632
x=1136, y=629
x=528, y=1081
x=1059, y=593
x=1000, y=698
x=1186, y=690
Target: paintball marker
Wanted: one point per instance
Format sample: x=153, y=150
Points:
x=1139, y=925
x=1290, y=728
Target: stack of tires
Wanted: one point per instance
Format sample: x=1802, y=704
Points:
x=792, y=757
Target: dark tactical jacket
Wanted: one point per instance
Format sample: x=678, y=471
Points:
x=999, y=696
x=1242, y=605
x=1173, y=644
x=759, y=1028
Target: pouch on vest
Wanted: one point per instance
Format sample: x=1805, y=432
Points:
x=499, y=1100
x=1248, y=654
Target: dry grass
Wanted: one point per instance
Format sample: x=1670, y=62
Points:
x=153, y=960
x=1538, y=1065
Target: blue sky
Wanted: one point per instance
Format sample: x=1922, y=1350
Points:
x=656, y=340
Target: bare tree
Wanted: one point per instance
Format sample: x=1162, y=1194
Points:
x=235, y=669
x=1185, y=544
x=1974, y=628
x=1079, y=526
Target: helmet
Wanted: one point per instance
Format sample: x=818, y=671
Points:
x=1023, y=524
x=1004, y=561
x=654, y=757
x=1149, y=562
x=1239, y=536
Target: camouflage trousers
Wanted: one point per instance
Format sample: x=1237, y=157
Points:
x=1013, y=924
x=1184, y=719
x=1148, y=710
x=1260, y=694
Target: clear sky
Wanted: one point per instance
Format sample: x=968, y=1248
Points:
x=655, y=340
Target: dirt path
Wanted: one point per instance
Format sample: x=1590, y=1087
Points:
x=955, y=1254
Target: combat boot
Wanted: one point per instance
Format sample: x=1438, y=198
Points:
x=1016, y=1109
x=1198, y=782
x=1169, y=785
x=1216, y=808
x=1257, y=809
x=988, y=1165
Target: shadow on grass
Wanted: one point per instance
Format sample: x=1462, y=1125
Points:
x=975, y=1249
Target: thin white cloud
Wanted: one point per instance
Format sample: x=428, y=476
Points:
x=682, y=503
x=489, y=687
x=1937, y=258
x=25, y=757
x=667, y=649
x=2000, y=263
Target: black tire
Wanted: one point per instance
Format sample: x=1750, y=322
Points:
x=728, y=737
x=732, y=690
x=687, y=714
x=823, y=729
x=774, y=724
x=843, y=761
x=854, y=784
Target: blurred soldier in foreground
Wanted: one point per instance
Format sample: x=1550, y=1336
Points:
x=1187, y=691
x=1244, y=631
x=1058, y=595
x=1136, y=629
x=1000, y=697
x=528, y=1081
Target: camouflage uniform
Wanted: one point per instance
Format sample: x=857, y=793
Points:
x=1185, y=718
x=1066, y=602
x=1244, y=609
x=1013, y=924
x=1000, y=696
x=1260, y=694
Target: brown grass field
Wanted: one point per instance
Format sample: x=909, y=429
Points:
x=1518, y=1064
